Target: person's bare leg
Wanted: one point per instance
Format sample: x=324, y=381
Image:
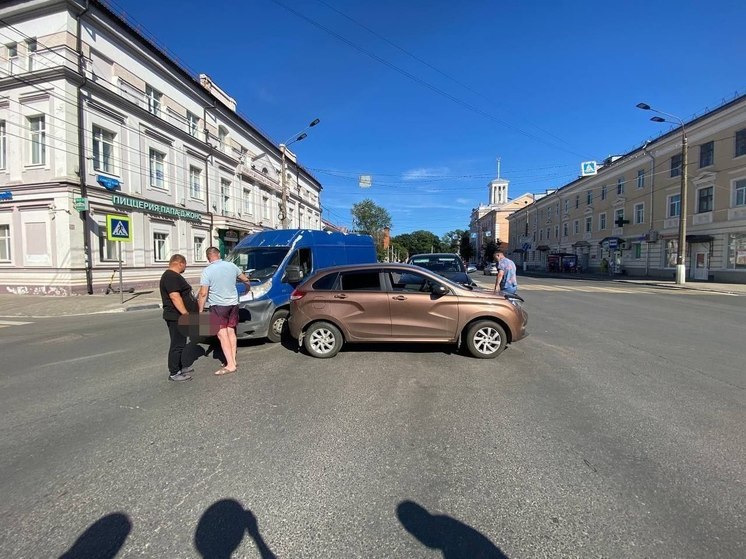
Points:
x=234, y=345
x=225, y=345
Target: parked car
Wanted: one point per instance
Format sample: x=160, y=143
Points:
x=400, y=303
x=445, y=264
x=490, y=269
x=471, y=268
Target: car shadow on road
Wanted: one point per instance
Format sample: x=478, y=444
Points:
x=453, y=538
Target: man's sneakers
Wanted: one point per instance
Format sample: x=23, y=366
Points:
x=180, y=376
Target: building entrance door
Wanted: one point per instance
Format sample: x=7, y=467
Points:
x=701, y=263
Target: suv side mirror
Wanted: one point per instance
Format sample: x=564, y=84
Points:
x=439, y=289
x=293, y=274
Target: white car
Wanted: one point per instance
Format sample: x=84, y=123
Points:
x=490, y=269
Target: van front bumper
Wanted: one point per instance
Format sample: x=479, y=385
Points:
x=253, y=319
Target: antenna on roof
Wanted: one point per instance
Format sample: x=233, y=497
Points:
x=498, y=167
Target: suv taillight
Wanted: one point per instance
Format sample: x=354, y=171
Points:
x=297, y=294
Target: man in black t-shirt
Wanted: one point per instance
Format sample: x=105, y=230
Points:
x=176, y=295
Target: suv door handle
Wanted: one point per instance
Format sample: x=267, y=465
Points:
x=399, y=298
x=340, y=296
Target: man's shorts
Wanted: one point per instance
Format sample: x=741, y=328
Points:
x=223, y=317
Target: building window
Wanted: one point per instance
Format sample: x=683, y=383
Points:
x=107, y=249
x=31, y=50
x=577, y=201
x=737, y=251
x=603, y=192
x=195, y=182
x=225, y=195
x=637, y=250
x=576, y=227
x=103, y=150
x=739, y=192
x=620, y=186
x=639, y=213
x=588, y=224
x=4, y=243
x=3, y=146
x=676, y=165
x=588, y=197
x=199, y=249
x=549, y=230
x=619, y=217
x=602, y=222
x=248, y=207
x=674, y=205
x=222, y=138
x=541, y=234
x=740, y=148
x=706, y=154
x=38, y=138
x=160, y=247
x=567, y=206
x=192, y=124
x=265, y=207
x=154, y=98
x=157, y=177
x=704, y=199
x=564, y=229
x=641, y=178
x=672, y=252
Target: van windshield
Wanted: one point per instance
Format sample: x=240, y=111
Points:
x=258, y=263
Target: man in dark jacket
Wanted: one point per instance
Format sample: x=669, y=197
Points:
x=177, y=298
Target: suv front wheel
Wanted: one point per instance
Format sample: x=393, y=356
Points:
x=486, y=339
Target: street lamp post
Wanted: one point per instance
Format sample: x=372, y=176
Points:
x=284, y=221
x=681, y=252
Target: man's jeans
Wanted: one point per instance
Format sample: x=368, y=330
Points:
x=510, y=289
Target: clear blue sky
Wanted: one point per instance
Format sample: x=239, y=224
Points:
x=425, y=95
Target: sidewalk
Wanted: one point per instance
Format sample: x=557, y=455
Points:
x=44, y=306
x=730, y=288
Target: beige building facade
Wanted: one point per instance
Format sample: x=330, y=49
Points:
x=625, y=219
x=97, y=120
x=489, y=222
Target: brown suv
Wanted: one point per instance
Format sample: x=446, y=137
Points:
x=400, y=303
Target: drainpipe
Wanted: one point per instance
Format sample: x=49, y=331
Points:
x=207, y=168
x=652, y=207
x=82, y=163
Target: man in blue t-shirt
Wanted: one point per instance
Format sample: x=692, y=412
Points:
x=506, y=278
x=218, y=289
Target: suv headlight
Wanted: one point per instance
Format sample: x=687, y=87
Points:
x=515, y=300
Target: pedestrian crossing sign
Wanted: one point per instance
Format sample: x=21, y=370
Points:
x=118, y=228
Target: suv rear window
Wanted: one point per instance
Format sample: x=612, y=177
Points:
x=326, y=283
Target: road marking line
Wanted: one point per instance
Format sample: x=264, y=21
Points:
x=6, y=323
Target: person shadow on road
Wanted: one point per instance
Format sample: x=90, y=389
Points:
x=221, y=530
x=103, y=539
x=453, y=538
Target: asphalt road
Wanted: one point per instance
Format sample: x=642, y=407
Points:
x=615, y=430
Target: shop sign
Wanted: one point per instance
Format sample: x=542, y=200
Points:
x=231, y=236
x=109, y=183
x=155, y=208
x=81, y=204
x=6, y=195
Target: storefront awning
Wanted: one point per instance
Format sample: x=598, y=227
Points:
x=542, y=247
x=579, y=244
x=699, y=238
x=518, y=251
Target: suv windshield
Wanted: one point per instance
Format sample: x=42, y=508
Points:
x=259, y=263
x=439, y=263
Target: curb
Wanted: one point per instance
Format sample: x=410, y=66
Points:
x=143, y=307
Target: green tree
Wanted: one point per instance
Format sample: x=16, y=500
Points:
x=419, y=242
x=465, y=249
x=489, y=250
x=451, y=241
x=371, y=219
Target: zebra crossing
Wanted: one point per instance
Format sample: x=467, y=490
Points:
x=7, y=323
x=613, y=288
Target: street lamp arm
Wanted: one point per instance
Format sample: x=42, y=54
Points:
x=298, y=135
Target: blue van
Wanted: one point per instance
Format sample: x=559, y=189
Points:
x=276, y=261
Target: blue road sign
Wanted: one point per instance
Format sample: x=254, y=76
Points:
x=118, y=228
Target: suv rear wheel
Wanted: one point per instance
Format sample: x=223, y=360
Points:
x=486, y=339
x=323, y=340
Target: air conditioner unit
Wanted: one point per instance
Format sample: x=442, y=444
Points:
x=652, y=236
